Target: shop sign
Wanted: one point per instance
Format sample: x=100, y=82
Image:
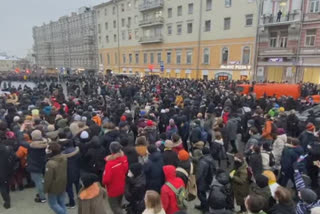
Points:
x=178, y=71
x=168, y=70
x=188, y=71
x=236, y=67
x=275, y=59
x=205, y=72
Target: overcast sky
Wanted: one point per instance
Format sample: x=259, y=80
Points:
x=17, y=17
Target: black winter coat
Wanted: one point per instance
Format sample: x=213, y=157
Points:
x=134, y=193
x=153, y=171
x=306, y=138
x=36, y=159
x=282, y=209
x=255, y=162
x=170, y=158
x=108, y=138
x=289, y=156
x=205, y=172
x=73, y=170
x=186, y=165
x=5, y=171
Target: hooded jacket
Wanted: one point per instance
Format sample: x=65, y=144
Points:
x=73, y=156
x=153, y=171
x=168, y=197
x=114, y=176
x=55, y=180
x=277, y=149
x=205, y=172
x=92, y=200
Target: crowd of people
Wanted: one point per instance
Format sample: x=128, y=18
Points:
x=153, y=145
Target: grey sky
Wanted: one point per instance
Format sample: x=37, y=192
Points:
x=17, y=17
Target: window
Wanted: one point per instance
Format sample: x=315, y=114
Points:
x=99, y=28
x=123, y=35
x=169, y=12
x=108, y=59
x=136, y=19
x=130, y=58
x=283, y=39
x=178, y=57
x=227, y=3
x=114, y=11
x=159, y=57
x=227, y=23
x=114, y=37
x=225, y=55
x=116, y=58
x=129, y=4
x=106, y=25
x=207, y=26
x=249, y=20
x=136, y=34
x=129, y=35
x=137, y=58
x=189, y=57
x=179, y=11
x=189, y=27
x=114, y=24
x=169, y=30
x=129, y=22
x=100, y=39
x=314, y=6
x=124, y=58
x=122, y=7
x=246, y=56
x=206, y=56
x=123, y=22
x=107, y=39
x=151, y=58
x=190, y=8
x=311, y=37
x=179, y=29
x=209, y=5
x=168, y=57
x=105, y=11
x=145, y=58
x=273, y=39
x=136, y=3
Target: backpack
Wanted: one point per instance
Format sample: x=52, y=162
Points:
x=181, y=195
x=191, y=190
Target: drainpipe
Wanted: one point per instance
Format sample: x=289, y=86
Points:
x=298, y=54
x=199, y=41
x=256, y=52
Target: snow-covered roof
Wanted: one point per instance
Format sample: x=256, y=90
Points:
x=8, y=58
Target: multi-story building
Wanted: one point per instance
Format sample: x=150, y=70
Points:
x=310, y=42
x=8, y=64
x=278, y=41
x=69, y=43
x=178, y=38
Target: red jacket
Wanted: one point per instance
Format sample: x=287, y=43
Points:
x=168, y=197
x=115, y=172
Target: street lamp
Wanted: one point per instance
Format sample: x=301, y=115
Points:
x=118, y=32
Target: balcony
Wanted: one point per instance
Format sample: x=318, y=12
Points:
x=151, y=22
x=151, y=39
x=276, y=52
x=150, y=5
x=272, y=20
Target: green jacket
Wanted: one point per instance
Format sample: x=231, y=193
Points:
x=55, y=180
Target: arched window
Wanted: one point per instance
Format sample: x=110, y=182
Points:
x=246, y=55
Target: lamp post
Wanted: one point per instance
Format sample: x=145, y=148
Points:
x=118, y=32
x=199, y=40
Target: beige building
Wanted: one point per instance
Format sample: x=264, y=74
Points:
x=178, y=38
x=8, y=64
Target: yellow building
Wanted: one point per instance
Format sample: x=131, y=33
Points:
x=182, y=38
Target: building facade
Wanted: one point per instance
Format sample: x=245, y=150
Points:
x=69, y=43
x=178, y=38
x=8, y=64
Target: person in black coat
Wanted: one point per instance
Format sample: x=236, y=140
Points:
x=314, y=155
x=255, y=160
x=111, y=135
x=135, y=189
x=307, y=136
x=153, y=170
x=204, y=175
x=184, y=166
x=73, y=171
x=170, y=157
x=129, y=151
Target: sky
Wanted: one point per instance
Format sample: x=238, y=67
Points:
x=17, y=17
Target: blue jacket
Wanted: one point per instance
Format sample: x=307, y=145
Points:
x=153, y=171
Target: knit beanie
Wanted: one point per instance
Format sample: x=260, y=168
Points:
x=123, y=118
x=51, y=128
x=183, y=155
x=36, y=135
x=89, y=179
x=308, y=195
x=310, y=127
x=84, y=135
x=261, y=181
x=115, y=147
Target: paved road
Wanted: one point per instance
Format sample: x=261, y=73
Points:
x=23, y=203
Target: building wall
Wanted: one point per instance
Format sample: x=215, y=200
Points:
x=7, y=65
x=235, y=39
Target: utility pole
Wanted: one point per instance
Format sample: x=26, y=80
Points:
x=199, y=41
x=256, y=52
x=118, y=28
x=297, y=61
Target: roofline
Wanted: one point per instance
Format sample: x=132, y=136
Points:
x=103, y=4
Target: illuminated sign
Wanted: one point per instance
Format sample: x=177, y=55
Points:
x=236, y=67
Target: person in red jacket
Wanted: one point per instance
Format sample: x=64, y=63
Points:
x=168, y=197
x=114, y=176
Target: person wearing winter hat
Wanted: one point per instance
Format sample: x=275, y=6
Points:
x=170, y=157
x=184, y=166
x=114, y=177
x=260, y=187
x=178, y=146
x=135, y=189
x=36, y=161
x=254, y=204
x=92, y=196
x=307, y=136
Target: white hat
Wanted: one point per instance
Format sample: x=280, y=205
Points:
x=16, y=118
x=84, y=135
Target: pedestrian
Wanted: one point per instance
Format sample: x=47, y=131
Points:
x=153, y=203
x=254, y=204
x=284, y=204
x=55, y=180
x=92, y=196
x=170, y=157
x=114, y=176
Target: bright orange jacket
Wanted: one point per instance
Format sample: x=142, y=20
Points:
x=22, y=154
x=97, y=120
x=267, y=130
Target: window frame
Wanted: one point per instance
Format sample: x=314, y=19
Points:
x=223, y=62
x=179, y=32
x=311, y=37
x=179, y=56
x=206, y=56
x=247, y=18
x=190, y=8
x=208, y=5
x=188, y=27
x=243, y=55
x=205, y=26
x=225, y=26
x=169, y=53
x=179, y=10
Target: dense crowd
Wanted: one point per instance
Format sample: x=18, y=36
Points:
x=152, y=145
